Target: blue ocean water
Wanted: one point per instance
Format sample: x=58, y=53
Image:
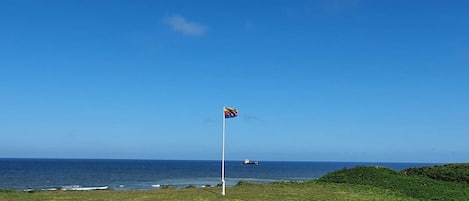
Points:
x=151, y=174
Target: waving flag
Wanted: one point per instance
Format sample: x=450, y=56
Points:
x=230, y=112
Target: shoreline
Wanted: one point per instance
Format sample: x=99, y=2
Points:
x=156, y=186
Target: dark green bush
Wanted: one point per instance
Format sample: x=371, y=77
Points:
x=450, y=172
x=415, y=186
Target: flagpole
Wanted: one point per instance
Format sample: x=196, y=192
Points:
x=223, y=157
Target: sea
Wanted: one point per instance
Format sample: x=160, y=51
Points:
x=63, y=174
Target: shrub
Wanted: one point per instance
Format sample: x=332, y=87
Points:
x=411, y=185
x=450, y=172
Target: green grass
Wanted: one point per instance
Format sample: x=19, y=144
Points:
x=244, y=191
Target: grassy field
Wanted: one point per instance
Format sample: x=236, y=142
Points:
x=360, y=183
x=276, y=191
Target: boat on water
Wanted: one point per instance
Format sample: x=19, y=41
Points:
x=248, y=162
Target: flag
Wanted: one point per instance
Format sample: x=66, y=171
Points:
x=230, y=112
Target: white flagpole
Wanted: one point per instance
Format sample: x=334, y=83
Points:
x=223, y=157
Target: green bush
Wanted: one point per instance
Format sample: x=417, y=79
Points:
x=450, y=172
x=415, y=186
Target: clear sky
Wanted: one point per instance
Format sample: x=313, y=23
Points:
x=323, y=80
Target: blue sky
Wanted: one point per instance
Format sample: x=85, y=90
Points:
x=324, y=80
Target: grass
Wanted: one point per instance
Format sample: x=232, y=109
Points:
x=244, y=191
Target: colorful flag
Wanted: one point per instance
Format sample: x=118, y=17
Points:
x=230, y=112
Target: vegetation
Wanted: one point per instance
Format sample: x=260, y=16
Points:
x=243, y=191
x=360, y=183
x=450, y=172
x=415, y=186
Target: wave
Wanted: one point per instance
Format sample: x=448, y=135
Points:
x=80, y=188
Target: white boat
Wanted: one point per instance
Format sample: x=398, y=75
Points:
x=248, y=162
